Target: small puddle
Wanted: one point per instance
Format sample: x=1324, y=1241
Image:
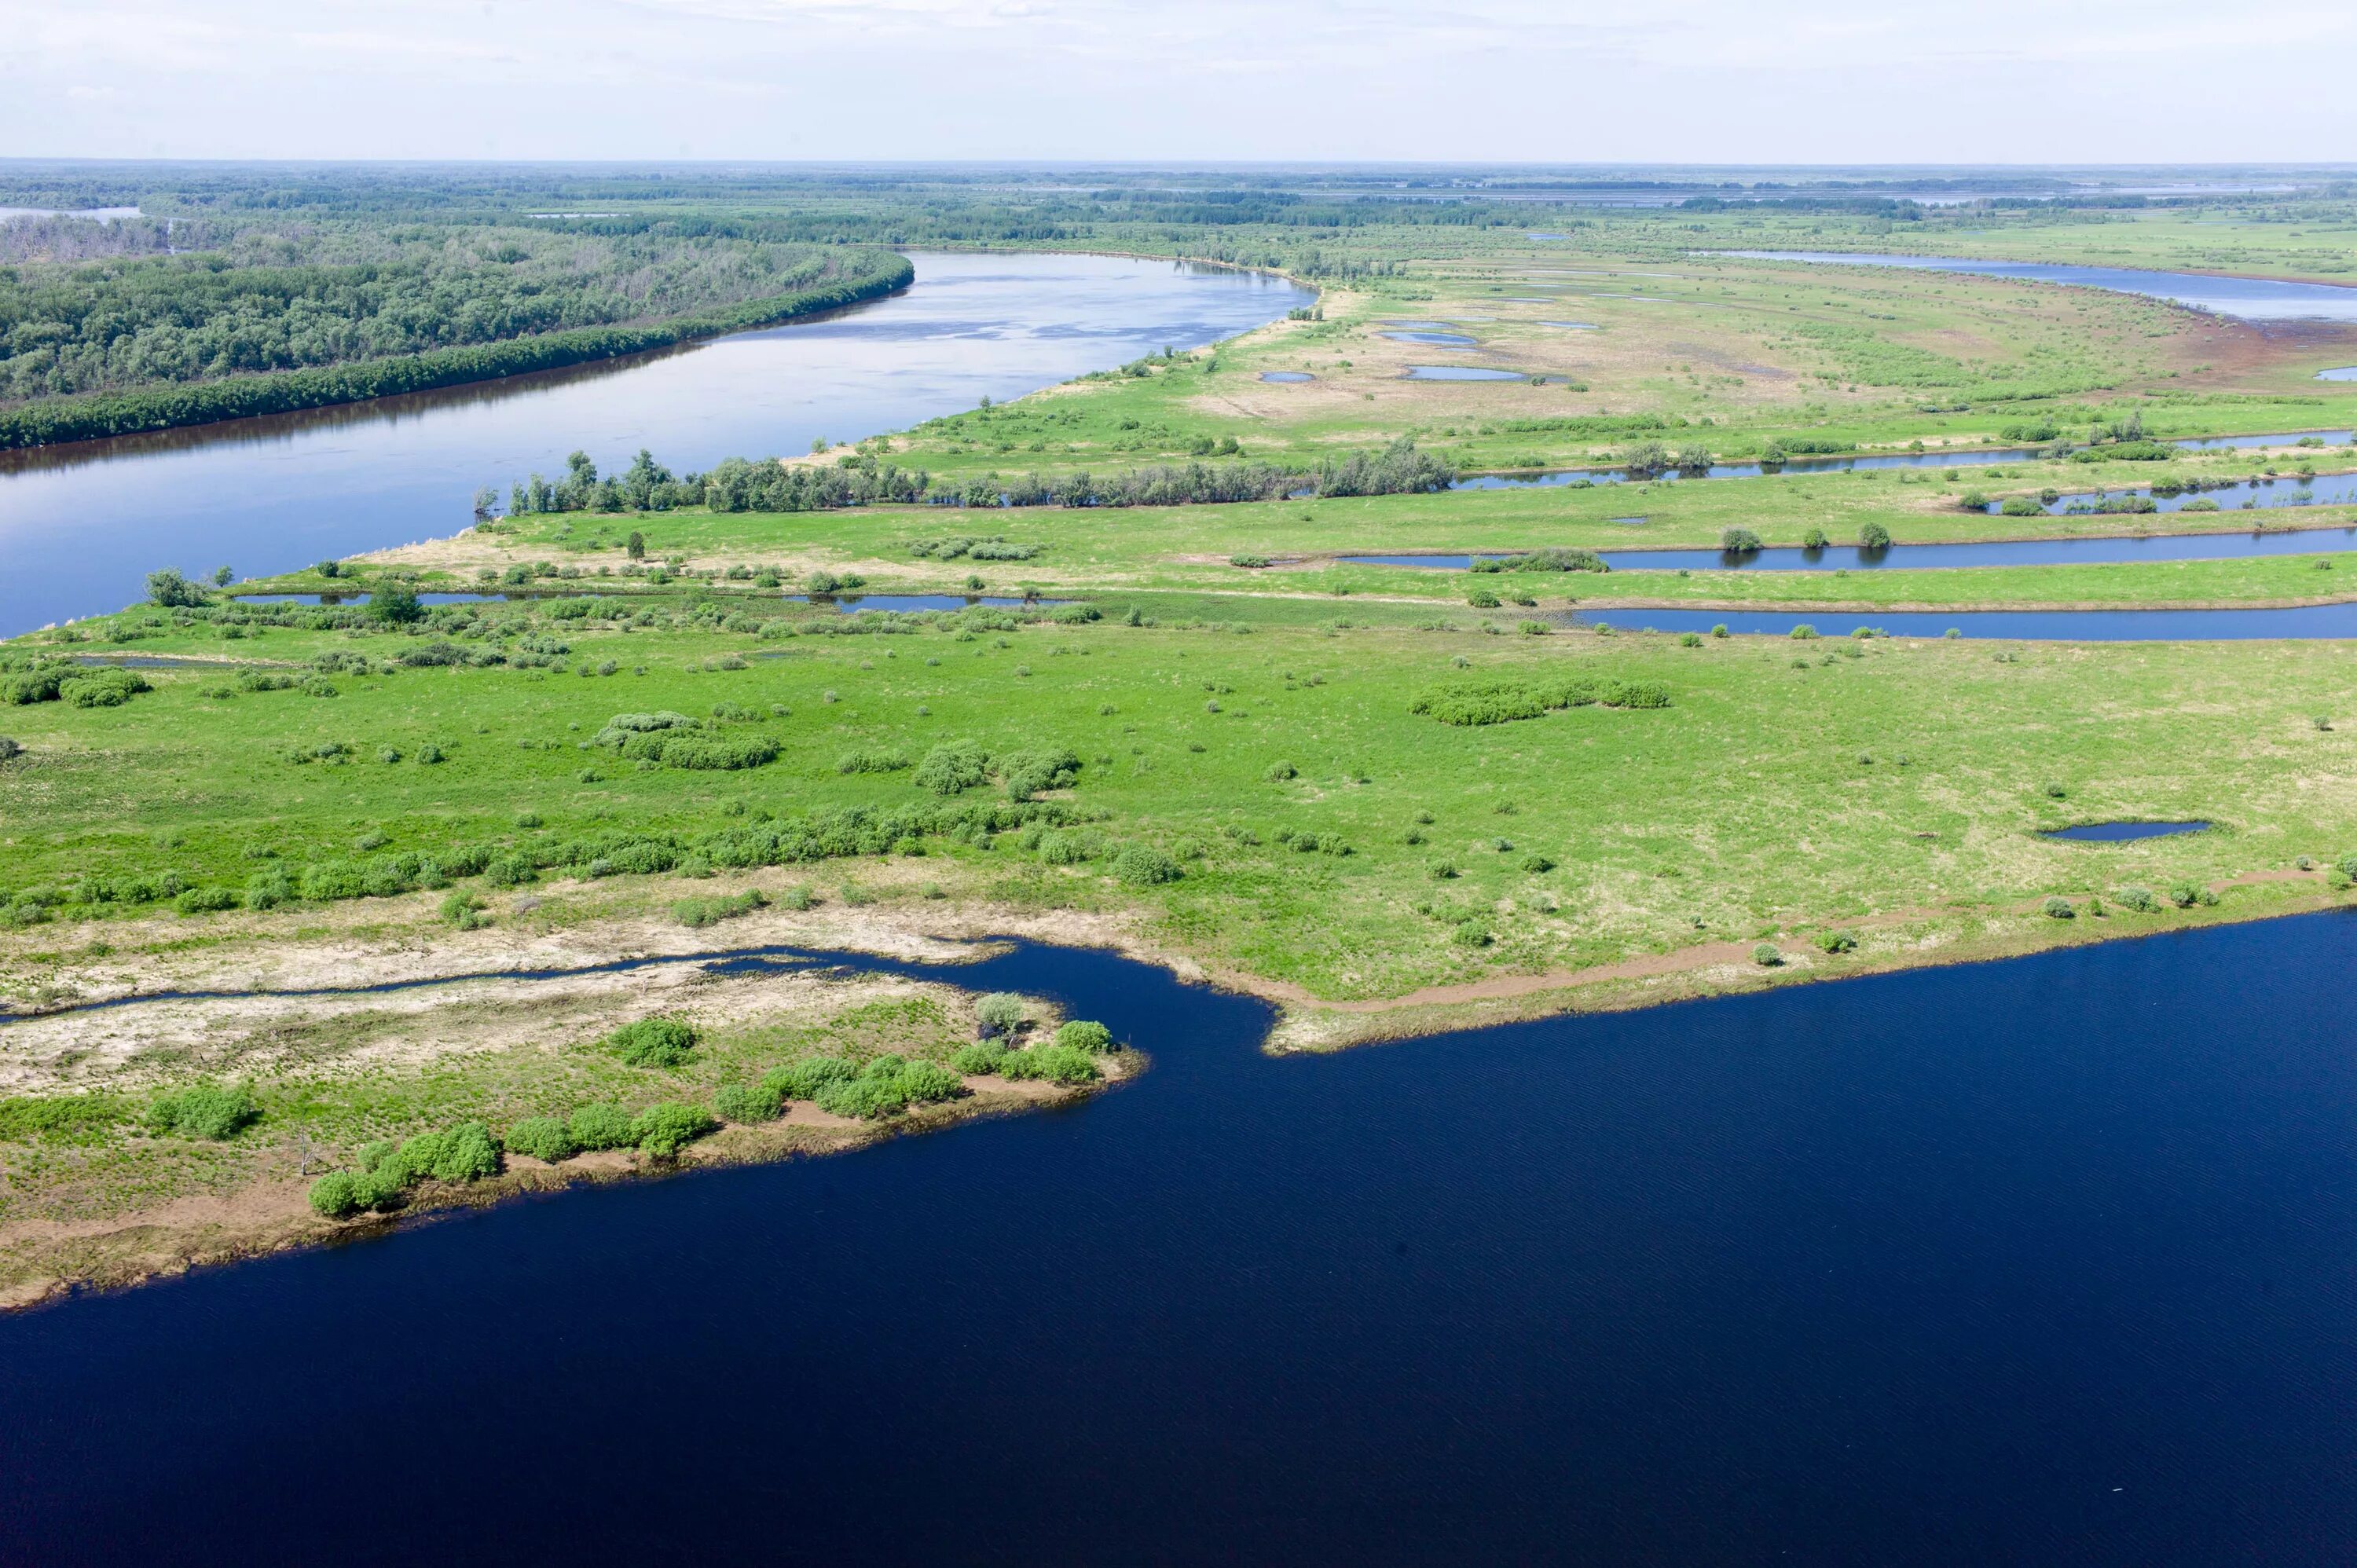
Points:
x=2344, y=373
x=2116, y=833
x=1460, y=373
x=1443, y=339
x=1573, y=326
x=1286, y=376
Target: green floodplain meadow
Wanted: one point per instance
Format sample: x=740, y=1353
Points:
x=1249, y=767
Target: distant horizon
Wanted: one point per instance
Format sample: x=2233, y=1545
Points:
x=1801, y=83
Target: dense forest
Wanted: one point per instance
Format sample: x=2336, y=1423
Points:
x=267, y=301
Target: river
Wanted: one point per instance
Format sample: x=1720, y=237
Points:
x=81, y=525
x=2039, y=1261
x=2251, y=299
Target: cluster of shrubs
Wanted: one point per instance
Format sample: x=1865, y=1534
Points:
x=954, y=767
x=995, y=548
x=701, y=912
x=81, y=686
x=674, y=740
x=203, y=1110
x=1503, y=699
x=1552, y=559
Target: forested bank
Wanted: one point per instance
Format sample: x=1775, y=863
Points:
x=818, y=280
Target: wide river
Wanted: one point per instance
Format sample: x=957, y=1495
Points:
x=2051, y=1259
x=81, y=525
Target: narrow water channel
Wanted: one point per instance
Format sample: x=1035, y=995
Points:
x=2025, y=1261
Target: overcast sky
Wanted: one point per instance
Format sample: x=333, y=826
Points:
x=1542, y=81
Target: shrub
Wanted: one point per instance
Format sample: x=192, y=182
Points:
x=663, y=1131
x=462, y=1154
x=1027, y=773
x=745, y=1105
x=1055, y=1063
x=395, y=603
x=205, y=900
x=1000, y=1011
x=601, y=1127
x=2185, y=895
x=804, y=1078
x=2058, y=907
x=102, y=688
x=1085, y=1034
x=1536, y=863
x=1739, y=541
x=1767, y=955
x=2140, y=900
x=954, y=766
x=1690, y=639
x=502, y=871
x=204, y=1111
x=871, y=762
x=1142, y=865
x=1812, y=539
x=699, y=913
x=1280, y=771
x=981, y=1058
x=1873, y=536
x=337, y=1195
x=1836, y=941
x=2020, y=506
x=543, y=1138
x=654, y=1043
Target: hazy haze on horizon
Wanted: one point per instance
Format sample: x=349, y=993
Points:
x=1527, y=81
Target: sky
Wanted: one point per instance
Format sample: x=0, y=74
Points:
x=1750, y=81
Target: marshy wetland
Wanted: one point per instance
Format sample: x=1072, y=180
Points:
x=1208, y=665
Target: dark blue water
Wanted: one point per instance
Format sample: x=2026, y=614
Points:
x=1926, y=557
x=2255, y=299
x=1460, y=373
x=2037, y=626
x=2040, y=1262
x=81, y=525
x=2121, y=832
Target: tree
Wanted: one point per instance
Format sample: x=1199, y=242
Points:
x=222, y=576
x=485, y=499
x=167, y=588
x=637, y=545
x=395, y=603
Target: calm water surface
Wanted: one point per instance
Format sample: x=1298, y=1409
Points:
x=2253, y=299
x=1460, y=373
x=81, y=525
x=2047, y=1261
x=2122, y=832
x=2076, y=626
x=1905, y=557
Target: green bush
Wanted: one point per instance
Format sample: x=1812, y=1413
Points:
x=746, y=1105
x=1739, y=541
x=601, y=1127
x=1085, y=1034
x=338, y=1196
x=701, y=912
x=981, y=1058
x=465, y=1153
x=663, y=1131
x=2058, y=907
x=1873, y=536
x=2020, y=506
x=1536, y=863
x=954, y=766
x=654, y=1043
x=2140, y=900
x=1142, y=865
x=804, y=1078
x=108, y=688
x=1001, y=1010
x=205, y=900
x=1054, y=1063
x=1767, y=955
x=204, y=1111
x=1836, y=941
x=2185, y=895
x=543, y=1138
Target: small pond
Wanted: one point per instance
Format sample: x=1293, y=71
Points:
x=1446, y=339
x=2121, y=832
x=1288, y=377
x=2344, y=373
x=1460, y=373
x=1573, y=326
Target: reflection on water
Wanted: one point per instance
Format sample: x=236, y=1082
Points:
x=80, y=526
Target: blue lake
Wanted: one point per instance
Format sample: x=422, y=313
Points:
x=2040, y=1261
x=1906, y=557
x=2253, y=299
x=2305, y=621
x=81, y=525
x=2344, y=373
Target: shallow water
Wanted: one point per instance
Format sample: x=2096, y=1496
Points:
x=2303, y=622
x=1928, y=557
x=1573, y=326
x=2010, y=1262
x=1286, y=376
x=1460, y=373
x=2122, y=832
x=850, y=603
x=81, y=525
x=2344, y=373
x=1448, y=339
x=2253, y=299
x=363, y=599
